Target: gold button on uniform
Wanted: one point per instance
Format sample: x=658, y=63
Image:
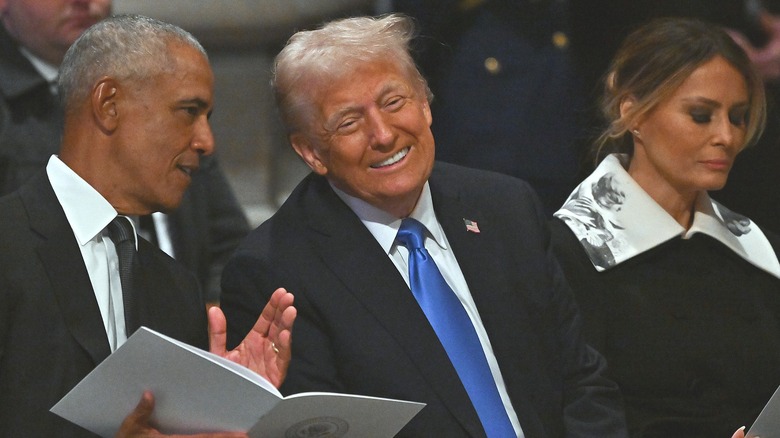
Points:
x=492, y=66
x=560, y=40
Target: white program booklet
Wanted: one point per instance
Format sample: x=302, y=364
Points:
x=196, y=391
x=767, y=425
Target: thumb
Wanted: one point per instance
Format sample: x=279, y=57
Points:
x=139, y=418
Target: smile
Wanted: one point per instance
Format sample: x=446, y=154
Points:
x=394, y=159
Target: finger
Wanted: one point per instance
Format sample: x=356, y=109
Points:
x=283, y=317
x=217, y=331
x=271, y=313
x=283, y=338
x=138, y=420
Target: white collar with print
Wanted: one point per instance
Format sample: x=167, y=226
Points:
x=615, y=220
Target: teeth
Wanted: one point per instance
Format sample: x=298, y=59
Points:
x=394, y=159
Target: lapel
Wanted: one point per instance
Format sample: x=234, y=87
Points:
x=490, y=268
x=351, y=252
x=64, y=266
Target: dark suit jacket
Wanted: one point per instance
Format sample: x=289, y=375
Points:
x=30, y=118
x=51, y=331
x=359, y=329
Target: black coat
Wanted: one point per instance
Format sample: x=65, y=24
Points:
x=51, y=330
x=690, y=331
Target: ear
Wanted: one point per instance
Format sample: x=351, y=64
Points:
x=303, y=147
x=104, y=101
x=427, y=113
x=626, y=105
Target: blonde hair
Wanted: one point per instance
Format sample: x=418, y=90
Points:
x=654, y=61
x=315, y=57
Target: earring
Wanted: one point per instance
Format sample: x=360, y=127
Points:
x=635, y=132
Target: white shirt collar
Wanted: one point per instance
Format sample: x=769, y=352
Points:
x=615, y=220
x=384, y=226
x=48, y=71
x=87, y=211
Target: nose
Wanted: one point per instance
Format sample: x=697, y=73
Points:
x=203, y=139
x=381, y=132
x=727, y=134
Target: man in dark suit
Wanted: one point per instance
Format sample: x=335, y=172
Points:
x=137, y=94
x=357, y=112
x=201, y=233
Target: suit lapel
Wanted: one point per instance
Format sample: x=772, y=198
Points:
x=352, y=253
x=65, y=268
x=484, y=260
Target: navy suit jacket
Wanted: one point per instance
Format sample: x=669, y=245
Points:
x=51, y=330
x=360, y=330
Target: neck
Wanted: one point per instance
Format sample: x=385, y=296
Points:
x=679, y=205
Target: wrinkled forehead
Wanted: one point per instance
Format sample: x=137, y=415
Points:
x=362, y=80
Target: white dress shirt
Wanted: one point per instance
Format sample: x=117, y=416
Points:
x=89, y=214
x=46, y=70
x=384, y=227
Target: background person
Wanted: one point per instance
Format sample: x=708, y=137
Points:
x=677, y=291
x=507, y=97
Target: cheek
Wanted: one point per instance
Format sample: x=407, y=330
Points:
x=672, y=136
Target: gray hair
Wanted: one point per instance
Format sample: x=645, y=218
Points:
x=314, y=58
x=123, y=47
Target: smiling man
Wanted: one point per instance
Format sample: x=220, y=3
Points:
x=137, y=94
x=489, y=336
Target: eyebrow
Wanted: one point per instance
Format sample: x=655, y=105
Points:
x=710, y=102
x=386, y=88
x=200, y=103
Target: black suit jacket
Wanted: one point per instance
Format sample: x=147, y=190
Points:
x=51, y=331
x=359, y=329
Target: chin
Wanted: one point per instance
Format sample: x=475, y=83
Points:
x=169, y=205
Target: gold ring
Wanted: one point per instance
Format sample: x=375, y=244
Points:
x=276, y=350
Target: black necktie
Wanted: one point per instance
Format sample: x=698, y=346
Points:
x=121, y=232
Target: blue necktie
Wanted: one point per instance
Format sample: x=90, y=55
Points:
x=455, y=331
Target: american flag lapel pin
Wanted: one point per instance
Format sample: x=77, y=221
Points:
x=471, y=225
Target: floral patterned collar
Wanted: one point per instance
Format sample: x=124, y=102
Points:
x=615, y=220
